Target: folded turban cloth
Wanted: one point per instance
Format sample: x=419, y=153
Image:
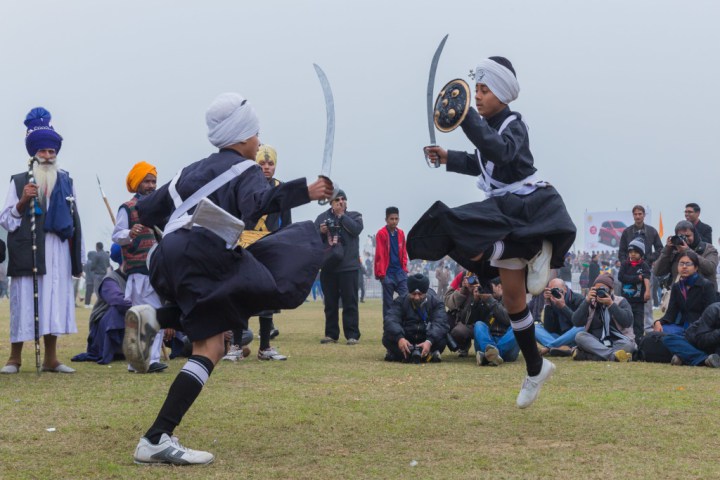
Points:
x=266, y=153
x=499, y=79
x=418, y=283
x=116, y=253
x=40, y=135
x=137, y=174
x=231, y=119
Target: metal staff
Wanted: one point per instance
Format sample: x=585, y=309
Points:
x=33, y=235
x=107, y=204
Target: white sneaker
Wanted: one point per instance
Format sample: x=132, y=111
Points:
x=270, y=354
x=538, y=273
x=531, y=387
x=141, y=326
x=169, y=451
x=234, y=354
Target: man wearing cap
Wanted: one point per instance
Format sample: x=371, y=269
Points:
x=59, y=245
x=340, y=232
x=608, y=323
x=136, y=240
x=391, y=258
x=416, y=320
x=211, y=284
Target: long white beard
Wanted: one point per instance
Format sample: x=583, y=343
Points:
x=45, y=177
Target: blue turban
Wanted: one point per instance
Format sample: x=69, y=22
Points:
x=40, y=134
x=116, y=253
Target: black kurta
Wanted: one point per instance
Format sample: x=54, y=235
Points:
x=464, y=232
x=218, y=289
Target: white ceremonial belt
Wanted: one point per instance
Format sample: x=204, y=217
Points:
x=213, y=218
x=529, y=184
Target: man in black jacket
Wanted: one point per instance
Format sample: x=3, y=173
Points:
x=340, y=231
x=650, y=237
x=415, y=328
x=555, y=331
x=692, y=215
x=701, y=343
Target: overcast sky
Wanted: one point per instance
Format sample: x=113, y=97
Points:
x=621, y=97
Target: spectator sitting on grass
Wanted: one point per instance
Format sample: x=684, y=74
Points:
x=462, y=305
x=701, y=343
x=689, y=297
x=495, y=341
x=415, y=327
x=608, y=322
x=555, y=331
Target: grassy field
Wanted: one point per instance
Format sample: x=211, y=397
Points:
x=335, y=411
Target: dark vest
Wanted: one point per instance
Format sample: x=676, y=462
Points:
x=135, y=253
x=20, y=241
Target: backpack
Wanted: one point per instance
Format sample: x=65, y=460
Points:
x=652, y=349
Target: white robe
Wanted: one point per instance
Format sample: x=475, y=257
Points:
x=56, y=296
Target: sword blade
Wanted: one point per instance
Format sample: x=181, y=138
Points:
x=431, y=87
x=330, y=129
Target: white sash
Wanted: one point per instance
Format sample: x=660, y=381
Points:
x=180, y=217
x=495, y=188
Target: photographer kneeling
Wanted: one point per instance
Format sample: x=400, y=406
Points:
x=415, y=327
x=608, y=322
x=462, y=302
x=684, y=240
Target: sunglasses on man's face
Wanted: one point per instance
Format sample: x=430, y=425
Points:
x=340, y=199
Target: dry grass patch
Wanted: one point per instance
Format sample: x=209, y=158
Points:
x=337, y=411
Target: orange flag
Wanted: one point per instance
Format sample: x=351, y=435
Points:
x=660, y=229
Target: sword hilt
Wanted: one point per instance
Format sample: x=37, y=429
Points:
x=336, y=189
x=431, y=163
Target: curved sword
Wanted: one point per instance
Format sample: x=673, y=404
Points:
x=329, y=131
x=431, y=96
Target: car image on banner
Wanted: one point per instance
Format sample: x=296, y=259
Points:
x=610, y=232
x=603, y=229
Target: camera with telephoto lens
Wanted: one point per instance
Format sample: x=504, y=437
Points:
x=416, y=355
x=678, y=240
x=601, y=292
x=556, y=292
x=472, y=280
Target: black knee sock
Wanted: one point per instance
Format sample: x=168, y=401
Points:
x=266, y=325
x=184, y=390
x=504, y=249
x=524, y=329
x=237, y=337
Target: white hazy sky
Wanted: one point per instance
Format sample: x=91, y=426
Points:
x=621, y=97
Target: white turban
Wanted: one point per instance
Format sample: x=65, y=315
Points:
x=499, y=79
x=230, y=120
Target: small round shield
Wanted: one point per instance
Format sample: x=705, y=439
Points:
x=452, y=105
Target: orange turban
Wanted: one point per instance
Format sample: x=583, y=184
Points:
x=137, y=174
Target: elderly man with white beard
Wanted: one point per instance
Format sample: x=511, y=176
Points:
x=59, y=247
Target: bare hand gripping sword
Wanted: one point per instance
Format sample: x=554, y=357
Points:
x=329, y=132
